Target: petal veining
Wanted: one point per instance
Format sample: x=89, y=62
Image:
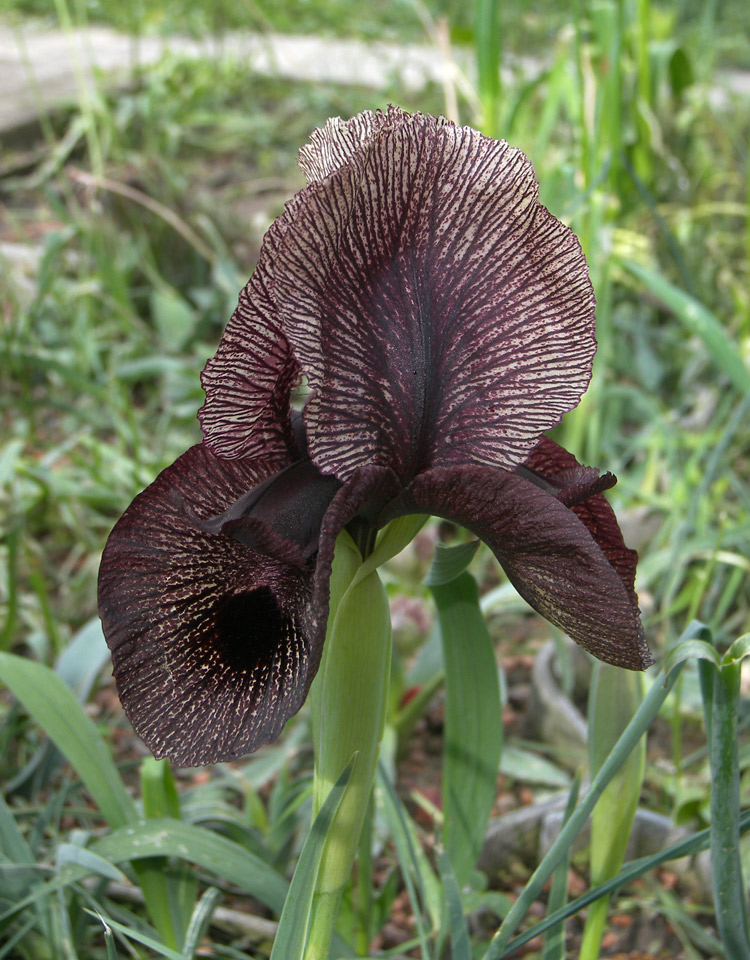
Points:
x=440, y=312
x=547, y=552
x=249, y=380
x=206, y=633
x=365, y=493
x=576, y=487
x=339, y=141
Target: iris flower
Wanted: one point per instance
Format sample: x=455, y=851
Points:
x=442, y=320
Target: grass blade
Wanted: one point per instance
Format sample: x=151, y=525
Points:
x=294, y=924
x=615, y=697
x=459, y=933
x=489, y=52
x=700, y=322
x=424, y=896
x=169, y=890
x=199, y=921
x=222, y=857
x=500, y=946
x=131, y=934
x=631, y=871
x=55, y=709
x=473, y=721
x=726, y=869
x=554, y=944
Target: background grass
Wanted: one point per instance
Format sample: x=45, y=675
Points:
x=113, y=296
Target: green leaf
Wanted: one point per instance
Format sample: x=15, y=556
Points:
x=499, y=946
x=131, y=934
x=158, y=790
x=554, y=942
x=222, y=857
x=473, y=721
x=459, y=934
x=699, y=321
x=292, y=935
x=18, y=872
x=450, y=562
x=726, y=867
x=83, y=658
x=12, y=842
x=691, y=650
x=353, y=702
x=199, y=921
x=532, y=768
x=169, y=890
x=109, y=939
x=615, y=697
x=391, y=541
x=487, y=36
x=56, y=710
x=424, y=895
x=631, y=871
x=680, y=72
x=71, y=853
x=174, y=318
x=738, y=651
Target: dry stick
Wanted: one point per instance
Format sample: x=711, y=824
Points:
x=242, y=923
x=143, y=199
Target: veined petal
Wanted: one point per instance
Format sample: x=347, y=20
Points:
x=339, y=142
x=440, y=312
x=249, y=380
x=363, y=495
x=578, y=488
x=545, y=549
x=206, y=632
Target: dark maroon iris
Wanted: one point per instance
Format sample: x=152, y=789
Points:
x=443, y=320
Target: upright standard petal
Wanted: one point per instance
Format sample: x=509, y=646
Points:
x=338, y=142
x=547, y=552
x=206, y=632
x=440, y=313
x=249, y=381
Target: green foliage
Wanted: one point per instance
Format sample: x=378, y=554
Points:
x=299, y=914
x=141, y=218
x=614, y=697
x=55, y=709
x=473, y=721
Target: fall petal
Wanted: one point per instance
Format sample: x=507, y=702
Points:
x=545, y=549
x=578, y=487
x=206, y=632
x=439, y=312
x=363, y=495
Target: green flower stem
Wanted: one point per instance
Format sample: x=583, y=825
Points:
x=729, y=900
x=632, y=734
x=349, y=707
x=346, y=562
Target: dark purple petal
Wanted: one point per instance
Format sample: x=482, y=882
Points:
x=206, y=633
x=362, y=495
x=293, y=503
x=249, y=381
x=440, y=313
x=545, y=549
x=579, y=488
